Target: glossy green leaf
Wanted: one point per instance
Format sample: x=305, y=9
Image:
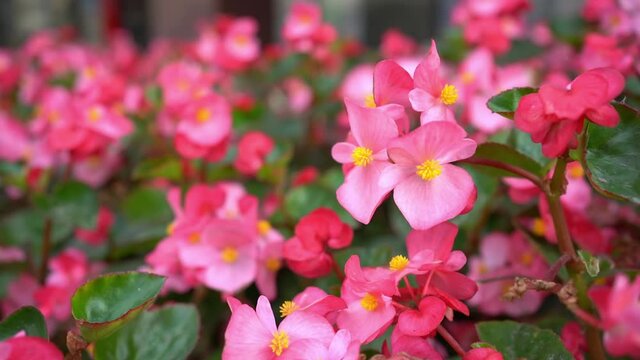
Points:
x=522, y=341
x=104, y=304
x=506, y=102
x=489, y=152
x=611, y=156
x=26, y=318
x=168, y=333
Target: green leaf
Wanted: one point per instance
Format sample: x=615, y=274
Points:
x=494, y=152
x=522, y=341
x=167, y=333
x=506, y=102
x=103, y=305
x=591, y=263
x=26, y=318
x=153, y=94
x=167, y=168
x=146, y=204
x=611, y=156
x=302, y=200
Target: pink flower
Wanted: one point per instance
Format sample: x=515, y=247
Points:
x=620, y=313
x=100, y=234
x=204, y=128
x=97, y=168
x=371, y=132
x=483, y=354
x=504, y=256
x=396, y=44
x=238, y=45
x=307, y=252
x=367, y=292
x=427, y=188
x=554, y=116
x=270, y=248
x=302, y=23
x=181, y=83
x=603, y=51
x=573, y=339
x=432, y=96
x=402, y=344
x=300, y=94
x=28, y=348
x=14, y=139
x=252, y=334
x=253, y=149
x=340, y=348
x=314, y=300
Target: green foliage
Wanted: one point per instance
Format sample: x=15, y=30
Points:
x=500, y=153
x=104, y=304
x=506, y=102
x=168, y=333
x=611, y=156
x=26, y=318
x=522, y=341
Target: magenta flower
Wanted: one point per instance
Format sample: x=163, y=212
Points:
x=432, y=96
x=427, y=188
x=372, y=130
x=253, y=334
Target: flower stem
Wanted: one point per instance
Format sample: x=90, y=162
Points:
x=507, y=167
x=553, y=191
x=455, y=345
x=46, y=249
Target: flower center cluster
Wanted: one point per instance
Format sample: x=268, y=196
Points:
x=194, y=238
x=273, y=264
x=229, y=255
x=203, y=115
x=398, y=262
x=449, y=94
x=369, y=101
x=369, y=302
x=279, y=342
x=287, y=308
x=94, y=114
x=429, y=170
x=362, y=156
x=263, y=227
x=539, y=228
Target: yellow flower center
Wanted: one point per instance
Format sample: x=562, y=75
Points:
x=287, y=308
x=398, y=262
x=273, y=264
x=362, y=156
x=449, y=94
x=369, y=101
x=94, y=114
x=576, y=172
x=89, y=72
x=468, y=77
x=429, y=170
x=203, y=115
x=526, y=258
x=538, y=227
x=279, y=342
x=194, y=238
x=171, y=228
x=241, y=40
x=369, y=302
x=263, y=227
x=229, y=255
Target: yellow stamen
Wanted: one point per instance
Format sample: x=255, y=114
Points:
x=263, y=227
x=273, y=264
x=429, y=170
x=538, y=227
x=194, y=238
x=398, y=262
x=575, y=171
x=279, y=342
x=483, y=269
x=449, y=94
x=171, y=228
x=89, y=72
x=526, y=258
x=369, y=101
x=229, y=255
x=287, y=308
x=203, y=115
x=94, y=114
x=369, y=302
x=362, y=156
x=468, y=77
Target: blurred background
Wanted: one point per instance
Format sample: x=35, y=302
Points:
x=364, y=20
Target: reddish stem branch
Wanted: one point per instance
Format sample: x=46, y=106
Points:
x=46, y=249
x=507, y=167
x=455, y=345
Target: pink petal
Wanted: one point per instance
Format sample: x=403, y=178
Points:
x=304, y=349
x=361, y=193
x=370, y=127
x=426, y=75
x=391, y=83
x=439, y=112
x=364, y=325
x=302, y=325
x=246, y=337
x=342, y=152
x=265, y=314
x=421, y=100
x=605, y=115
x=425, y=321
x=394, y=174
x=427, y=203
x=439, y=239
x=339, y=345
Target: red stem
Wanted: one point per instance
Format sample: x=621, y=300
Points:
x=507, y=167
x=451, y=340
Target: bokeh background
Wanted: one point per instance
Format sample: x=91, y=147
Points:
x=364, y=20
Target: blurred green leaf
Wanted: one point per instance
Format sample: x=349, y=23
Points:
x=301, y=200
x=500, y=153
x=27, y=318
x=166, y=168
x=168, y=333
x=522, y=341
x=104, y=304
x=506, y=102
x=611, y=156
